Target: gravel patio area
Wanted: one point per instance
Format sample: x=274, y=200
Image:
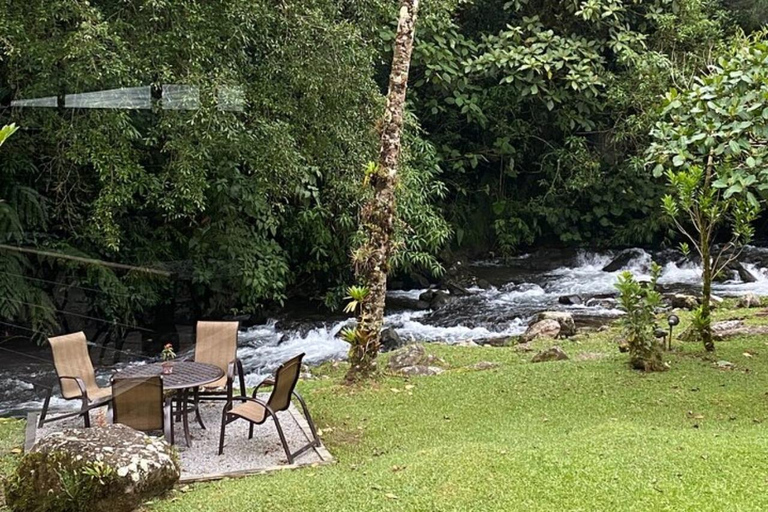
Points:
x=241, y=455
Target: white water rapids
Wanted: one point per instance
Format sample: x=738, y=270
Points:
x=515, y=291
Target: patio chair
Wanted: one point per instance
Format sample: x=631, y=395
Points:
x=140, y=403
x=76, y=378
x=256, y=411
x=216, y=344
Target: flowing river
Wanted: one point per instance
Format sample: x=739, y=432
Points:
x=511, y=292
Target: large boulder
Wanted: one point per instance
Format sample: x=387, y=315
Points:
x=100, y=469
x=565, y=319
x=551, y=354
x=623, y=259
x=543, y=329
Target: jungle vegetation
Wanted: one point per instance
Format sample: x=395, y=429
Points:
x=527, y=122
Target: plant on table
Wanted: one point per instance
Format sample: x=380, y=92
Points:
x=168, y=355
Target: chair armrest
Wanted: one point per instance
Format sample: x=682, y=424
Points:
x=80, y=385
x=260, y=402
x=266, y=382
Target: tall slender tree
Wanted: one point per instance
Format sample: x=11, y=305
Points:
x=377, y=216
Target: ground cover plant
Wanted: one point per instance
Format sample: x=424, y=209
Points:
x=583, y=434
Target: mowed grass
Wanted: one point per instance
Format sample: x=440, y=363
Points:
x=585, y=434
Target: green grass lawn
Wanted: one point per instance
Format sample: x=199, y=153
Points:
x=586, y=434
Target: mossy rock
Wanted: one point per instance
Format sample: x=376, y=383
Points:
x=101, y=469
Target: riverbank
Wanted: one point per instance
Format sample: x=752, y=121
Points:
x=582, y=434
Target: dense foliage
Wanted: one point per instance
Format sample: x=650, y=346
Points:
x=527, y=124
x=247, y=206
x=541, y=109
x=712, y=142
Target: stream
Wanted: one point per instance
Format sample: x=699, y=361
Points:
x=502, y=298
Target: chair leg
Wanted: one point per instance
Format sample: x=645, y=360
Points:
x=288, y=453
x=168, y=422
x=87, y=419
x=44, y=412
x=199, y=418
x=250, y=431
x=223, y=428
x=305, y=409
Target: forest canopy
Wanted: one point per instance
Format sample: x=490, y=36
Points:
x=527, y=124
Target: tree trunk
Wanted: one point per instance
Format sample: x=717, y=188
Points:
x=706, y=293
x=706, y=227
x=378, y=214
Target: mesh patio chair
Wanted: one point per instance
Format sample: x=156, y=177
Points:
x=216, y=344
x=140, y=403
x=76, y=378
x=256, y=411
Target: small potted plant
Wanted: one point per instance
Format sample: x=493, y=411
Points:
x=168, y=355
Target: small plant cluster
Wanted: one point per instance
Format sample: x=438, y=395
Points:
x=168, y=354
x=357, y=337
x=639, y=301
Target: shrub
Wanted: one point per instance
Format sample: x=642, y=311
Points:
x=639, y=301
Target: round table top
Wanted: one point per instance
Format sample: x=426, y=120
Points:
x=186, y=374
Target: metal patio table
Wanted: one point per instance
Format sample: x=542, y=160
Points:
x=186, y=376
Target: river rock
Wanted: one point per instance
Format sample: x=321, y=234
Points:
x=420, y=370
x=484, y=284
x=427, y=295
x=683, y=301
x=440, y=299
x=605, y=303
x=390, y=340
x=565, y=319
x=57, y=474
x=745, y=275
x=410, y=356
x=622, y=260
x=749, y=300
x=570, y=300
x=543, y=329
x=551, y=354
x=406, y=303
x=456, y=289
x=483, y=365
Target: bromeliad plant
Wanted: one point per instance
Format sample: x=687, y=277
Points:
x=357, y=338
x=639, y=300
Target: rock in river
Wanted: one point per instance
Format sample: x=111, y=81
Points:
x=623, y=259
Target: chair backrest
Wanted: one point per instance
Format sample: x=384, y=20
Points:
x=138, y=403
x=286, y=377
x=216, y=343
x=71, y=359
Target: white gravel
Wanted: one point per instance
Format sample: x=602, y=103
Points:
x=262, y=452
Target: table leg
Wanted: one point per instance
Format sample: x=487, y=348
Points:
x=185, y=415
x=196, y=394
